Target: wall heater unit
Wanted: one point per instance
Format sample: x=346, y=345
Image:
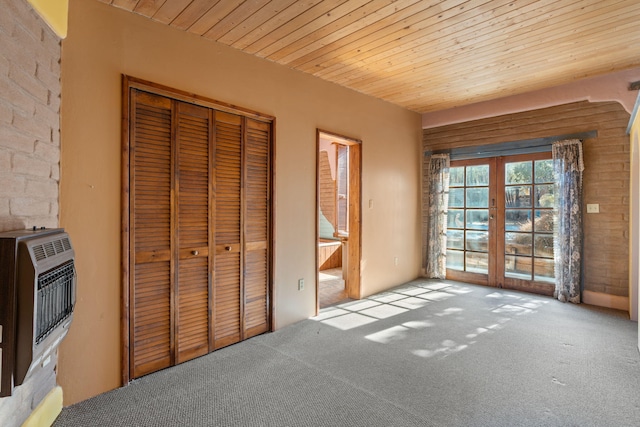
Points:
x=37, y=297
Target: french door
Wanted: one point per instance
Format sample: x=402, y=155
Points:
x=500, y=222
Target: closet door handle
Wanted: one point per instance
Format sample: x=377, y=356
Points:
x=194, y=252
x=227, y=248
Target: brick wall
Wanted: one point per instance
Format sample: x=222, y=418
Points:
x=606, y=175
x=29, y=153
x=29, y=118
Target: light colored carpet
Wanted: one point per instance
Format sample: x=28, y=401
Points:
x=428, y=353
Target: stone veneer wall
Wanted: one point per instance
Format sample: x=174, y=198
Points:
x=29, y=152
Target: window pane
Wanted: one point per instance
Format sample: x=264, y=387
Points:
x=456, y=197
x=478, y=219
x=455, y=260
x=455, y=218
x=517, y=243
x=477, y=262
x=455, y=239
x=477, y=197
x=544, y=171
x=477, y=175
x=518, y=173
x=543, y=269
x=544, y=196
x=518, y=196
x=543, y=222
x=478, y=241
x=456, y=176
x=517, y=220
x=518, y=267
x=543, y=246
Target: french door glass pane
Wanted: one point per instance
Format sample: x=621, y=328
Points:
x=544, y=269
x=455, y=239
x=517, y=219
x=518, y=267
x=478, y=219
x=455, y=260
x=528, y=217
x=456, y=177
x=518, y=243
x=477, y=175
x=544, y=221
x=544, y=196
x=478, y=197
x=544, y=171
x=477, y=241
x=518, y=173
x=518, y=196
x=456, y=198
x=543, y=245
x=455, y=218
x=477, y=262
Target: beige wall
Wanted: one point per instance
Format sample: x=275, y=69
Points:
x=103, y=43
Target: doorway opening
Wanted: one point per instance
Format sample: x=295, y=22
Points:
x=338, y=219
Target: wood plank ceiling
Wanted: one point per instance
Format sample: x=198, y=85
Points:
x=424, y=55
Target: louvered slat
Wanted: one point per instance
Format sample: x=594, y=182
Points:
x=227, y=279
x=192, y=320
x=150, y=151
x=256, y=227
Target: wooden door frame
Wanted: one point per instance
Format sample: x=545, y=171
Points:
x=129, y=83
x=353, y=285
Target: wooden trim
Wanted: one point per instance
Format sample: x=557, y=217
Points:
x=212, y=221
x=192, y=98
x=347, y=140
x=125, y=234
x=271, y=259
x=317, y=225
x=354, y=289
x=174, y=271
x=243, y=224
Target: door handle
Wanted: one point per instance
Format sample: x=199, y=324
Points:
x=194, y=252
x=227, y=248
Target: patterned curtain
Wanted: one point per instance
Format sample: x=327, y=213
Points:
x=436, y=234
x=567, y=169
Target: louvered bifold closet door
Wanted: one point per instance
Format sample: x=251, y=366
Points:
x=193, y=195
x=256, y=227
x=227, y=282
x=150, y=233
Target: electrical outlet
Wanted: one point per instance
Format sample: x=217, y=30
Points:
x=301, y=284
x=593, y=208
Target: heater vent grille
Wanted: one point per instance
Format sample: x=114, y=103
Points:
x=55, y=298
x=49, y=249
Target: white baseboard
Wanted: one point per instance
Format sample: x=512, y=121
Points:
x=605, y=300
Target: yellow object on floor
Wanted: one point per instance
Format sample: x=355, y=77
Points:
x=47, y=411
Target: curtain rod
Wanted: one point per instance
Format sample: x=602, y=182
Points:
x=525, y=146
